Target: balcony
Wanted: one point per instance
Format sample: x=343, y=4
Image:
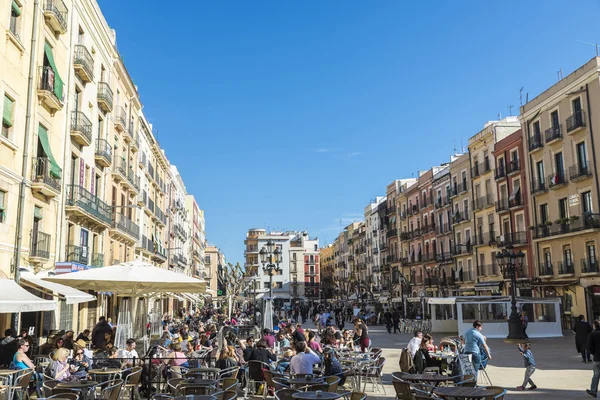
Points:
x=443, y=229
x=557, y=180
x=462, y=249
x=500, y=173
x=50, y=90
x=103, y=153
x=515, y=201
x=150, y=206
x=119, y=169
x=132, y=181
x=465, y=276
x=589, y=266
x=512, y=239
x=513, y=166
x=485, y=239
x=83, y=204
x=77, y=254
x=120, y=119
x=135, y=142
x=81, y=128
x=97, y=260
x=444, y=257
x=485, y=166
x=461, y=216
x=488, y=270
x=566, y=268
x=573, y=224
x=483, y=202
x=553, y=134
x=105, y=97
x=39, y=251
x=576, y=121
x=475, y=171
x=83, y=63
x=56, y=15
x=535, y=142
x=124, y=228
x=142, y=200
x=42, y=180
x=546, y=269
x=145, y=245
x=538, y=186
x=391, y=233
x=161, y=218
x=580, y=171
x=310, y=273
x=463, y=187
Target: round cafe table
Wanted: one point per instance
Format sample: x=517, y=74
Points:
x=303, y=381
x=83, y=387
x=204, y=372
x=462, y=392
x=196, y=397
x=316, y=396
x=426, y=378
x=107, y=371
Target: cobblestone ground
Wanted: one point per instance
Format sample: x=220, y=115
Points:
x=560, y=373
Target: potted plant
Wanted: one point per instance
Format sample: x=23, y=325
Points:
x=532, y=228
x=548, y=223
x=574, y=217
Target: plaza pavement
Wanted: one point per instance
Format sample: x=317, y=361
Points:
x=560, y=373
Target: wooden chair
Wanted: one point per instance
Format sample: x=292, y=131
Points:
x=173, y=385
x=229, y=372
x=358, y=396
x=21, y=384
x=403, y=390
x=497, y=391
x=225, y=384
x=111, y=390
x=333, y=382
x=132, y=381
x=48, y=387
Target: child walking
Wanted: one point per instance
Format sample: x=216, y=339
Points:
x=525, y=350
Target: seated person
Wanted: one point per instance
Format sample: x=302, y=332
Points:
x=129, y=353
x=303, y=361
x=282, y=341
x=430, y=345
x=22, y=361
x=81, y=362
x=263, y=354
x=333, y=366
x=227, y=358
x=313, y=344
x=176, y=358
x=283, y=364
x=422, y=358
x=61, y=370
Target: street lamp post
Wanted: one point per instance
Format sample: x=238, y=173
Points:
x=270, y=257
x=509, y=263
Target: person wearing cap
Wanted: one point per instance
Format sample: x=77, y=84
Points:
x=81, y=344
x=85, y=336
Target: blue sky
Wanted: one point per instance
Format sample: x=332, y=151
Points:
x=293, y=115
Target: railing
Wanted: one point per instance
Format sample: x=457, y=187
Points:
x=391, y=232
x=103, y=149
x=120, y=166
x=500, y=173
x=488, y=270
x=475, y=171
x=566, y=267
x=444, y=257
x=502, y=205
x=589, y=266
x=556, y=179
x=513, y=166
x=538, y=186
x=41, y=173
x=486, y=166
x=58, y=8
x=576, y=120
x=151, y=204
x=40, y=245
x=513, y=238
x=161, y=215
x=546, y=269
x=463, y=249
x=516, y=201
x=80, y=197
x=105, y=93
x=483, y=202
x=463, y=187
x=535, y=141
x=81, y=123
x=83, y=57
x=465, y=276
x=461, y=216
x=124, y=224
x=579, y=170
x=120, y=116
x=78, y=254
x=485, y=238
x=442, y=229
x=134, y=180
x=150, y=169
x=569, y=225
x=97, y=260
x=553, y=133
x=48, y=82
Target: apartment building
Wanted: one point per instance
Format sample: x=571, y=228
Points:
x=180, y=225
x=462, y=227
x=213, y=257
x=373, y=235
x=561, y=165
x=392, y=259
x=442, y=216
x=327, y=259
x=513, y=213
x=198, y=239
x=485, y=193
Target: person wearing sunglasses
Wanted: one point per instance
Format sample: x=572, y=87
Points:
x=81, y=363
x=20, y=359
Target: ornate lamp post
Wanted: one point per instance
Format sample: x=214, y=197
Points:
x=270, y=257
x=510, y=262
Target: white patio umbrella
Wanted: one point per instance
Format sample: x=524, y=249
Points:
x=15, y=299
x=135, y=278
x=268, y=314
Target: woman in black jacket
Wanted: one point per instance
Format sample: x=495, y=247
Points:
x=263, y=354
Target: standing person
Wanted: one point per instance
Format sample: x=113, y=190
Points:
x=594, y=348
x=360, y=328
x=474, y=340
x=524, y=323
x=396, y=320
x=582, y=331
x=388, y=321
x=99, y=331
x=525, y=350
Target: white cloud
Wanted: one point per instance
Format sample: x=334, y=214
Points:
x=355, y=154
x=322, y=150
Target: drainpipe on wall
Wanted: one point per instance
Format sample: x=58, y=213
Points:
x=22, y=186
x=589, y=106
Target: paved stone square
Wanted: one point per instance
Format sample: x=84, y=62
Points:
x=560, y=373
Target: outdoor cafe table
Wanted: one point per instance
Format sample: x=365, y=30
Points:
x=205, y=371
x=196, y=397
x=303, y=381
x=462, y=392
x=10, y=374
x=315, y=396
x=198, y=383
x=429, y=378
x=105, y=371
x=81, y=386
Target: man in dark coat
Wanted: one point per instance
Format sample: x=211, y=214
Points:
x=594, y=349
x=582, y=331
x=101, y=328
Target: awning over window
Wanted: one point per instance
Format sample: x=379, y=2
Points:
x=493, y=286
x=71, y=296
x=54, y=168
x=7, y=112
x=514, y=193
x=58, y=83
x=15, y=8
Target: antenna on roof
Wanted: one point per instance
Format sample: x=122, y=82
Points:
x=499, y=116
x=510, y=107
x=454, y=144
x=591, y=44
x=521, y=96
x=559, y=74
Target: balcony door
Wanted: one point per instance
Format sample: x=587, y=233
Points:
x=34, y=234
x=576, y=105
x=84, y=238
x=558, y=162
x=540, y=173
x=591, y=254
x=581, y=158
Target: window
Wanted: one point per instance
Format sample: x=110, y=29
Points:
x=266, y=285
x=15, y=18
x=554, y=121
x=2, y=206
x=586, y=201
x=591, y=253
x=567, y=256
x=7, y=116
x=540, y=172
x=581, y=158
x=543, y=213
x=563, y=208
x=559, y=166
x=514, y=156
x=279, y=285
x=536, y=130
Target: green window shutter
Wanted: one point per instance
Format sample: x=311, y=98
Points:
x=55, y=170
x=2, y=200
x=58, y=83
x=7, y=113
x=37, y=213
x=16, y=9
